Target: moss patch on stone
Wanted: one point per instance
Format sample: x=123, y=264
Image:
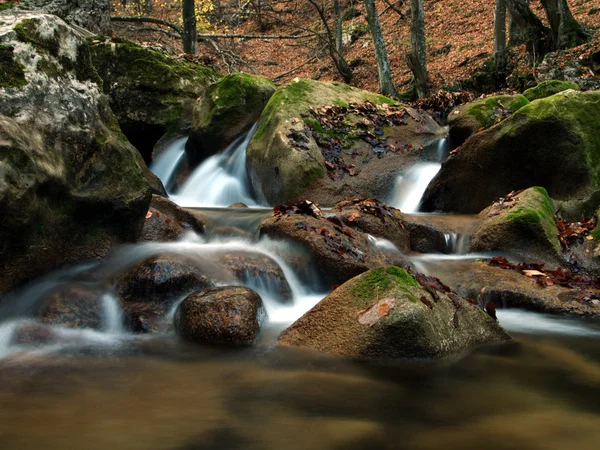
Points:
x=27, y=32
x=382, y=279
x=12, y=73
x=548, y=88
x=484, y=110
x=7, y=5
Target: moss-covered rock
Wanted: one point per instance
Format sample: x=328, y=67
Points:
x=548, y=88
x=521, y=225
x=229, y=108
x=151, y=91
x=284, y=171
x=552, y=142
x=11, y=74
x=472, y=117
x=70, y=183
x=385, y=313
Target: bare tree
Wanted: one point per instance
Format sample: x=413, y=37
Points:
x=417, y=58
x=566, y=31
x=190, y=34
x=337, y=17
x=386, y=84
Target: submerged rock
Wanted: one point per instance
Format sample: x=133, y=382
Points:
x=223, y=315
x=71, y=185
x=73, y=307
x=229, y=108
x=548, y=88
x=521, y=225
x=385, y=313
x=551, y=142
x=361, y=158
x=472, y=117
x=151, y=91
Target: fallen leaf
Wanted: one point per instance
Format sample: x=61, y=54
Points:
x=371, y=315
x=534, y=273
x=148, y=214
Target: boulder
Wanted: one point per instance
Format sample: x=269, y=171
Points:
x=339, y=252
x=73, y=307
x=93, y=15
x=151, y=91
x=522, y=225
x=166, y=221
x=548, y=88
x=472, y=117
x=229, y=108
x=575, y=70
x=365, y=140
x=385, y=313
x=223, y=315
x=70, y=183
x=552, y=142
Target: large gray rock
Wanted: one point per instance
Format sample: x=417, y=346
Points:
x=385, y=313
x=93, y=15
x=71, y=185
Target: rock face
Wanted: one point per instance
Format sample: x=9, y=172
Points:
x=229, y=108
x=225, y=315
x=70, y=182
x=93, y=15
x=552, y=142
x=548, y=88
x=472, y=117
x=385, y=313
x=150, y=91
x=357, y=156
x=521, y=225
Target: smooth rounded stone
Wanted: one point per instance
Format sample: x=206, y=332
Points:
x=166, y=221
x=551, y=142
x=238, y=205
x=144, y=317
x=33, y=334
x=386, y=313
x=466, y=120
x=161, y=279
x=73, y=307
x=521, y=225
x=548, y=88
x=222, y=315
x=183, y=217
x=260, y=272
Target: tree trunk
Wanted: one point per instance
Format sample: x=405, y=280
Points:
x=417, y=59
x=337, y=16
x=190, y=35
x=383, y=65
x=533, y=32
x=566, y=31
x=500, y=36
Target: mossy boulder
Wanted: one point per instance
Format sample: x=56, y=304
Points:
x=385, y=313
x=229, y=108
x=229, y=315
x=521, y=225
x=71, y=185
x=151, y=91
x=552, y=142
x=548, y=88
x=286, y=163
x=472, y=117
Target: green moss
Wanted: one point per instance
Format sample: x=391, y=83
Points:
x=338, y=102
x=379, y=280
x=7, y=5
x=27, y=31
x=401, y=276
x=484, y=110
x=548, y=88
x=12, y=73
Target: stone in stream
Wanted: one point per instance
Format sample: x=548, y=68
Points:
x=286, y=163
x=166, y=221
x=386, y=313
x=71, y=185
x=466, y=120
x=521, y=225
x=222, y=315
x=227, y=110
x=551, y=142
x=73, y=307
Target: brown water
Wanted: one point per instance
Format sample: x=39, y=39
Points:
x=542, y=392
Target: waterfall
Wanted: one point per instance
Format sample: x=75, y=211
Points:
x=411, y=185
x=111, y=311
x=220, y=180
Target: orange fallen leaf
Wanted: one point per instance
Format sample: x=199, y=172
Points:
x=371, y=315
x=148, y=214
x=534, y=273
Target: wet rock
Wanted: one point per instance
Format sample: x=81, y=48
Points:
x=385, y=313
x=286, y=163
x=183, y=217
x=339, y=252
x=231, y=232
x=228, y=109
x=548, y=88
x=224, y=315
x=33, y=334
x=165, y=221
x=144, y=317
x=238, y=205
x=71, y=185
x=472, y=117
x=151, y=91
x=549, y=142
x=73, y=307
x=521, y=225
x=259, y=272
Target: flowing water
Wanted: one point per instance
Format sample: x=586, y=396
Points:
x=109, y=389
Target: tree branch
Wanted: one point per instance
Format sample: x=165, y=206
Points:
x=146, y=20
